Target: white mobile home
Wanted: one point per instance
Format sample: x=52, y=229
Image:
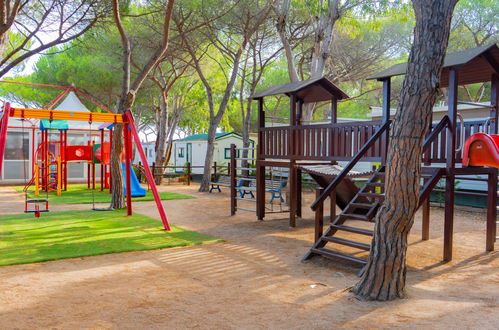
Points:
x=193, y=148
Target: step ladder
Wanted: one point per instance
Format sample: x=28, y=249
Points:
x=362, y=207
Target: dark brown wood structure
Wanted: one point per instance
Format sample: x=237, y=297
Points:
x=292, y=146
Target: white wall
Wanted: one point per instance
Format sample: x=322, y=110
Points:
x=198, y=147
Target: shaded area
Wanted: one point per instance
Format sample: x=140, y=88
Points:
x=60, y=235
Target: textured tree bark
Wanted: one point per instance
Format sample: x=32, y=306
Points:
x=128, y=93
x=384, y=275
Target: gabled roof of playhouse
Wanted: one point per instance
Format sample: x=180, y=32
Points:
x=204, y=137
x=311, y=90
x=476, y=65
x=70, y=103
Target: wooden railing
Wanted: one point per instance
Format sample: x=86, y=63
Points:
x=375, y=138
x=320, y=142
x=436, y=146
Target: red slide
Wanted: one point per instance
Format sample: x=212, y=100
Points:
x=481, y=149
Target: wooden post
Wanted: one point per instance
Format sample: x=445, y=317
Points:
x=491, y=210
x=293, y=174
x=385, y=117
x=188, y=173
x=425, y=227
x=298, y=192
x=260, y=170
x=494, y=102
x=153, y=170
x=451, y=162
x=214, y=172
x=319, y=216
x=293, y=193
x=332, y=211
x=233, y=195
x=334, y=110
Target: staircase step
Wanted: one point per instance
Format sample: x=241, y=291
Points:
x=337, y=255
x=356, y=230
x=363, y=205
x=355, y=216
x=342, y=241
x=373, y=195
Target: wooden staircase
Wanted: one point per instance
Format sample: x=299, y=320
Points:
x=373, y=192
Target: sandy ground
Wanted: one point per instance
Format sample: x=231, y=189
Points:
x=252, y=280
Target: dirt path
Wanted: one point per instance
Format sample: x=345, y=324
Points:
x=253, y=280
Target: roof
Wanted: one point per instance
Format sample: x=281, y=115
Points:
x=311, y=90
x=204, y=137
x=475, y=66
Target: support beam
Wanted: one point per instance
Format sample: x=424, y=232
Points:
x=260, y=168
x=334, y=110
x=491, y=210
x=147, y=170
x=387, y=85
x=451, y=164
x=494, y=102
x=319, y=217
x=233, y=183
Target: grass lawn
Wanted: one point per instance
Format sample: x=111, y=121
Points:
x=70, y=234
x=79, y=194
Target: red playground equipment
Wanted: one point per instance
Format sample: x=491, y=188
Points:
x=481, y=149
x=55, y=154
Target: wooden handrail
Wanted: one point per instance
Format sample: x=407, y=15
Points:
x=434, y=133
x=327, y=191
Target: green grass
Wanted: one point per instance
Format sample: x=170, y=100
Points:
x=70, y=234
x=79, y=194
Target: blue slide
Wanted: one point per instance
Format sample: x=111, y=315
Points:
x=137, y=190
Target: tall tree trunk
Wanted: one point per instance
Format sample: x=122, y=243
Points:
x=118, y=194
x=205, y=183
x=282, y=19
x=384, y=275
x=128, y=94
x=161, y=134
x=215, y=120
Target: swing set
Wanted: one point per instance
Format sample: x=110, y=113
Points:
x=130, y=135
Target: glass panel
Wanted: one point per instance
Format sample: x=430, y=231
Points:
x=14, y=170
x=16, y=147
x=75, y=170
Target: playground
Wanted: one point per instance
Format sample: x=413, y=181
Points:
x=254, y=277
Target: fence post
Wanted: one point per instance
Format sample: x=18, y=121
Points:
x=140, y=172
x=214, y=172
x=188, y=173
x=153, y=171
x=233, y=201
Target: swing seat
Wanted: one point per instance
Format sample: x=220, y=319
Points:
x=35, y=211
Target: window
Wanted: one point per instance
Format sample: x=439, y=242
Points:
x=16, y=146
x=181, y=152
x=227, y=153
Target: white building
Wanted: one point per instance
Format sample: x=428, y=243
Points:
x=193, y=148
